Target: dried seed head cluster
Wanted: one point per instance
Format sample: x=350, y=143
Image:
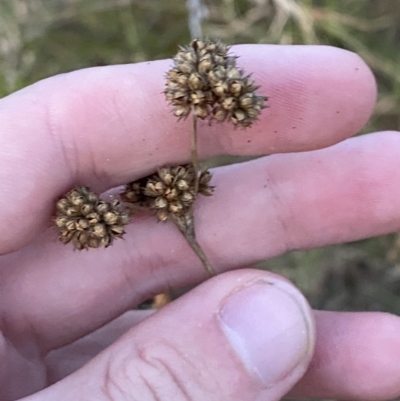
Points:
x=206, y=81
x=169, y=192
x=87, y=221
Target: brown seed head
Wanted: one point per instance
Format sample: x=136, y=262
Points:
x=178, y=194
x=205, y=81
x=87, y=221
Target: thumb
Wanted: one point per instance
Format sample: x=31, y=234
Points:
x=244, y=335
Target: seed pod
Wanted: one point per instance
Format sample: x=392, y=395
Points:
x=195, y=82
x=61, y=221
x=162, y=215
x=82, y=224
x=171, y=194
x=93, y=218
x=110, y=218
x=102, y=207
x=70, y=225
x=175, y=207
x=182, y=185
x=77, y=199
x=187, y=197
x=86, y=209
x=200, y=111
x=220, y=114
x=62, y=205
x=72, y=211
x=236, y=88
x=166, y=176
x=160, y=203
x=204, y=180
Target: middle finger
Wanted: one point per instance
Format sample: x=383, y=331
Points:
x=260, y=209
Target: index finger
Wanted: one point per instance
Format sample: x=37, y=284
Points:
x=105, y=126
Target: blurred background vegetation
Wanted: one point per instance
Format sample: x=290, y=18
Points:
x=39, y=38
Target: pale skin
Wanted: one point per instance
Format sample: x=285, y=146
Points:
x=106, y=126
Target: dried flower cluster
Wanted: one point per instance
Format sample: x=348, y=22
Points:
x=206, y=83
x=206, y=80
x=169, y=192
x=87, y=221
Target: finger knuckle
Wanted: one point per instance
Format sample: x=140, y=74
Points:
x=156, y=372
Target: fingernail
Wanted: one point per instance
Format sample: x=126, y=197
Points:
x=269, y=327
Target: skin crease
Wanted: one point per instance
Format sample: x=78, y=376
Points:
x=319, y=95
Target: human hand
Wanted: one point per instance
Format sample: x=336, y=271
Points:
x=243, y=335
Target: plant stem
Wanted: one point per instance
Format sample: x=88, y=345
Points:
x=194, y=155
x=186, y=227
